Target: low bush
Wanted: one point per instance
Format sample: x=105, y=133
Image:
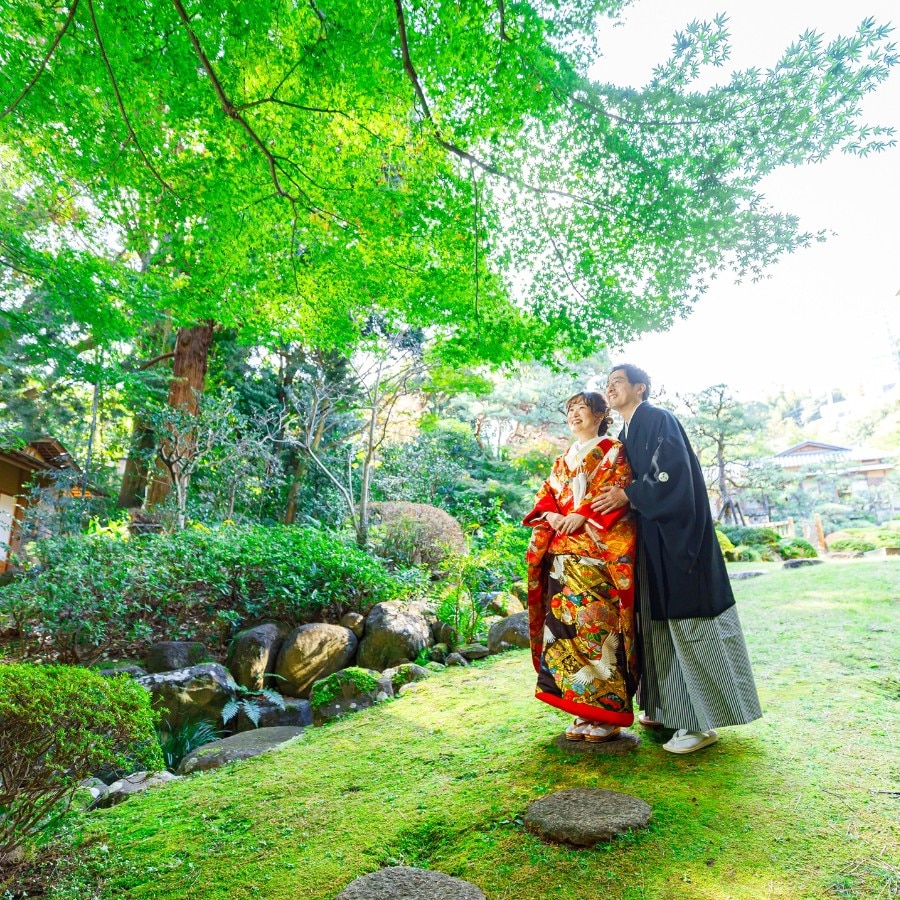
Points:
x=58, y=725
x=415, y=534
x=851, y=545
x=750, y=536
x=97, y=596
x=796, y=548
x=725, y=545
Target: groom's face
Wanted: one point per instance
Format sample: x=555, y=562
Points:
x=620, y=392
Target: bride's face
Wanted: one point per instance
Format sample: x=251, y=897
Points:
x=583, y=423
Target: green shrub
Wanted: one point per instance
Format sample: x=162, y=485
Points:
x=95, y=596
x=750, y=536
x=851, y=545
x=58, y=724
x=742, y=553
x=415, y=534
x=796, y=548
x=725, y=544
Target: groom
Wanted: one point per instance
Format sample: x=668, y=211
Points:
x=696, y=675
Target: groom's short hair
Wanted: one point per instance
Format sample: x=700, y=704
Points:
x=634, y=375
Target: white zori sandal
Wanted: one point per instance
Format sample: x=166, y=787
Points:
x=597, y=732
x=575, y=732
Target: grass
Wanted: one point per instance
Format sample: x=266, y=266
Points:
x=801, y=804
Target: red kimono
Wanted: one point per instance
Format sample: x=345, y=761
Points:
x=581, y=590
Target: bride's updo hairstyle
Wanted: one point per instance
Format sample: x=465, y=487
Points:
x=597, y=404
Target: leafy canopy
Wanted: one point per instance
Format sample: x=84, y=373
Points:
x=285, y=168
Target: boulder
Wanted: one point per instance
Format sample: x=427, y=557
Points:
x=89, y=794
x=132, y=784
x=133, y=671
x=406, y=673
x=454, y=659
x=472, y=651
x=347, y=691
x=519, y=589
x=166, y=656
x=503, y=604
x=444, y=634
x=438, y=653
x=509, y=633
x=254, y=652
x=395, y=631
x=585, y=817
x=311, y=652
x=239, y=746
x=356, y=622
x=198, y=692
x=407, y=883
x=296, y=713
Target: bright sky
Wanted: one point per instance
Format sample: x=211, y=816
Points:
x=827, y=315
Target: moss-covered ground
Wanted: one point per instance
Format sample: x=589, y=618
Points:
x=800, y=804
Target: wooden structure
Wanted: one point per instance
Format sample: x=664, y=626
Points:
x=21, y=467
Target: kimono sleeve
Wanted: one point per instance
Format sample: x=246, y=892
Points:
x=665, y=492
x=545, y=501
x=612, y=470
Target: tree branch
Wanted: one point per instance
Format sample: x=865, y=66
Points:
x=121, y=104
x=156, y=359
x=44, y=61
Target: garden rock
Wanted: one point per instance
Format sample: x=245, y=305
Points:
x=198, y=692
x=355, y=621
x=473, y=651
x=395, y=631
x=132, y=784
x=405, y=674
x=245, y=745
x=254, y=652
x=509, y=633
x=407, y=883
x=311, y=652
x=444, y=634
x=800, y=563
x=623, y=743
x=348, y=691
x=504, y=604
x=296, y=712
x=89, y=794
x=585, y=817
x=166, y=656
x=438, y=653
x=454, y=659
x=520, y=589
x=133, y=671
x=742, y=576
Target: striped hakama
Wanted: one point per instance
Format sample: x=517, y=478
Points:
x=695, y=673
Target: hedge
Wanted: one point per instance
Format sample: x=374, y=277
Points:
x=97, y=596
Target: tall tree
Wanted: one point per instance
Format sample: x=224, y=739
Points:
x=286, y=171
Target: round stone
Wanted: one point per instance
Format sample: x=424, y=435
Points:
x=585, y=817
x=624, y=742
x=407, y=883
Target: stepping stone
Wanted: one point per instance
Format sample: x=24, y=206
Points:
x=406, y=883
x=585, y=817
x=243, y=745
x=801, y=563
x=624, y=742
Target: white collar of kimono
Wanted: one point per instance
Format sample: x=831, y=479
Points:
x=580, y=449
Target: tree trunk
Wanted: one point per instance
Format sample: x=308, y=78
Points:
x=188, y=380
x=134, y=480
